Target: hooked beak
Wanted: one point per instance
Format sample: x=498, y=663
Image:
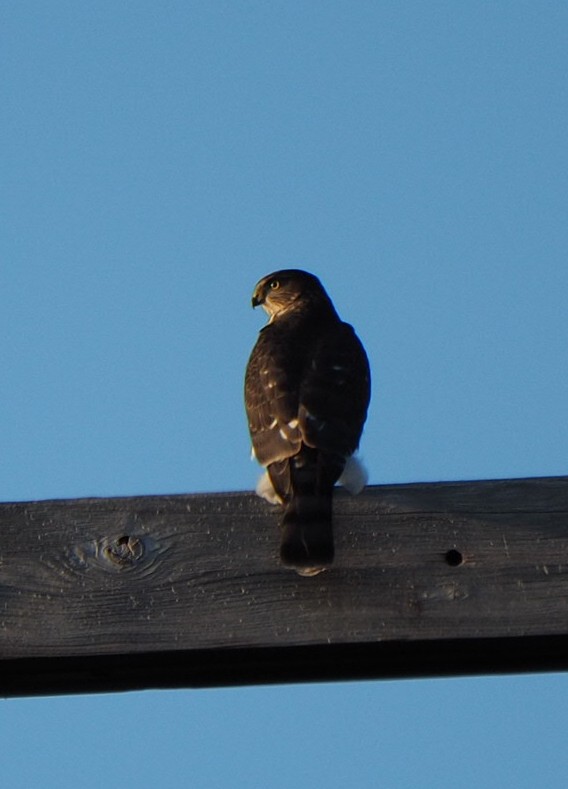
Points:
x=257, y=298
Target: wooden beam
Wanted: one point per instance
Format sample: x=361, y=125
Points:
x=186, y=591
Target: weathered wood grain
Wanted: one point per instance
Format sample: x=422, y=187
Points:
x=166, y=591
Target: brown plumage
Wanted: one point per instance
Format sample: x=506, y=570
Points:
x=307, y=389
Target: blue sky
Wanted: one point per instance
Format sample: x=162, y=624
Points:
x=157, y=160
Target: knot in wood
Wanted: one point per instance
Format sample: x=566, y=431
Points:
x=124, y=551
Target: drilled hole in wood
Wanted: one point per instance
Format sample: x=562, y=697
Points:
x=453, y=557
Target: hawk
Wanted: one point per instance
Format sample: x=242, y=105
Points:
x=307, y=390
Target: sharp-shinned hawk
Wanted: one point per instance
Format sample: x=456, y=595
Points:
x=307, y=389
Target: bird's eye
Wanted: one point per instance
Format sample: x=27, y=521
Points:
x=274, y=285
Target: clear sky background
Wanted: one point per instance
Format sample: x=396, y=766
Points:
x=157, y=160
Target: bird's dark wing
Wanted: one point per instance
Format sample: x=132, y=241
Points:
x=271, y=397
x=334, y=392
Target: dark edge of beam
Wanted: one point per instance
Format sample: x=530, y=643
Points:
x=279, y=665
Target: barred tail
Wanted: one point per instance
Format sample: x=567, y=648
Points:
x=307, y=534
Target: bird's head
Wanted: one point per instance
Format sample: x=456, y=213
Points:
x=287, y=290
